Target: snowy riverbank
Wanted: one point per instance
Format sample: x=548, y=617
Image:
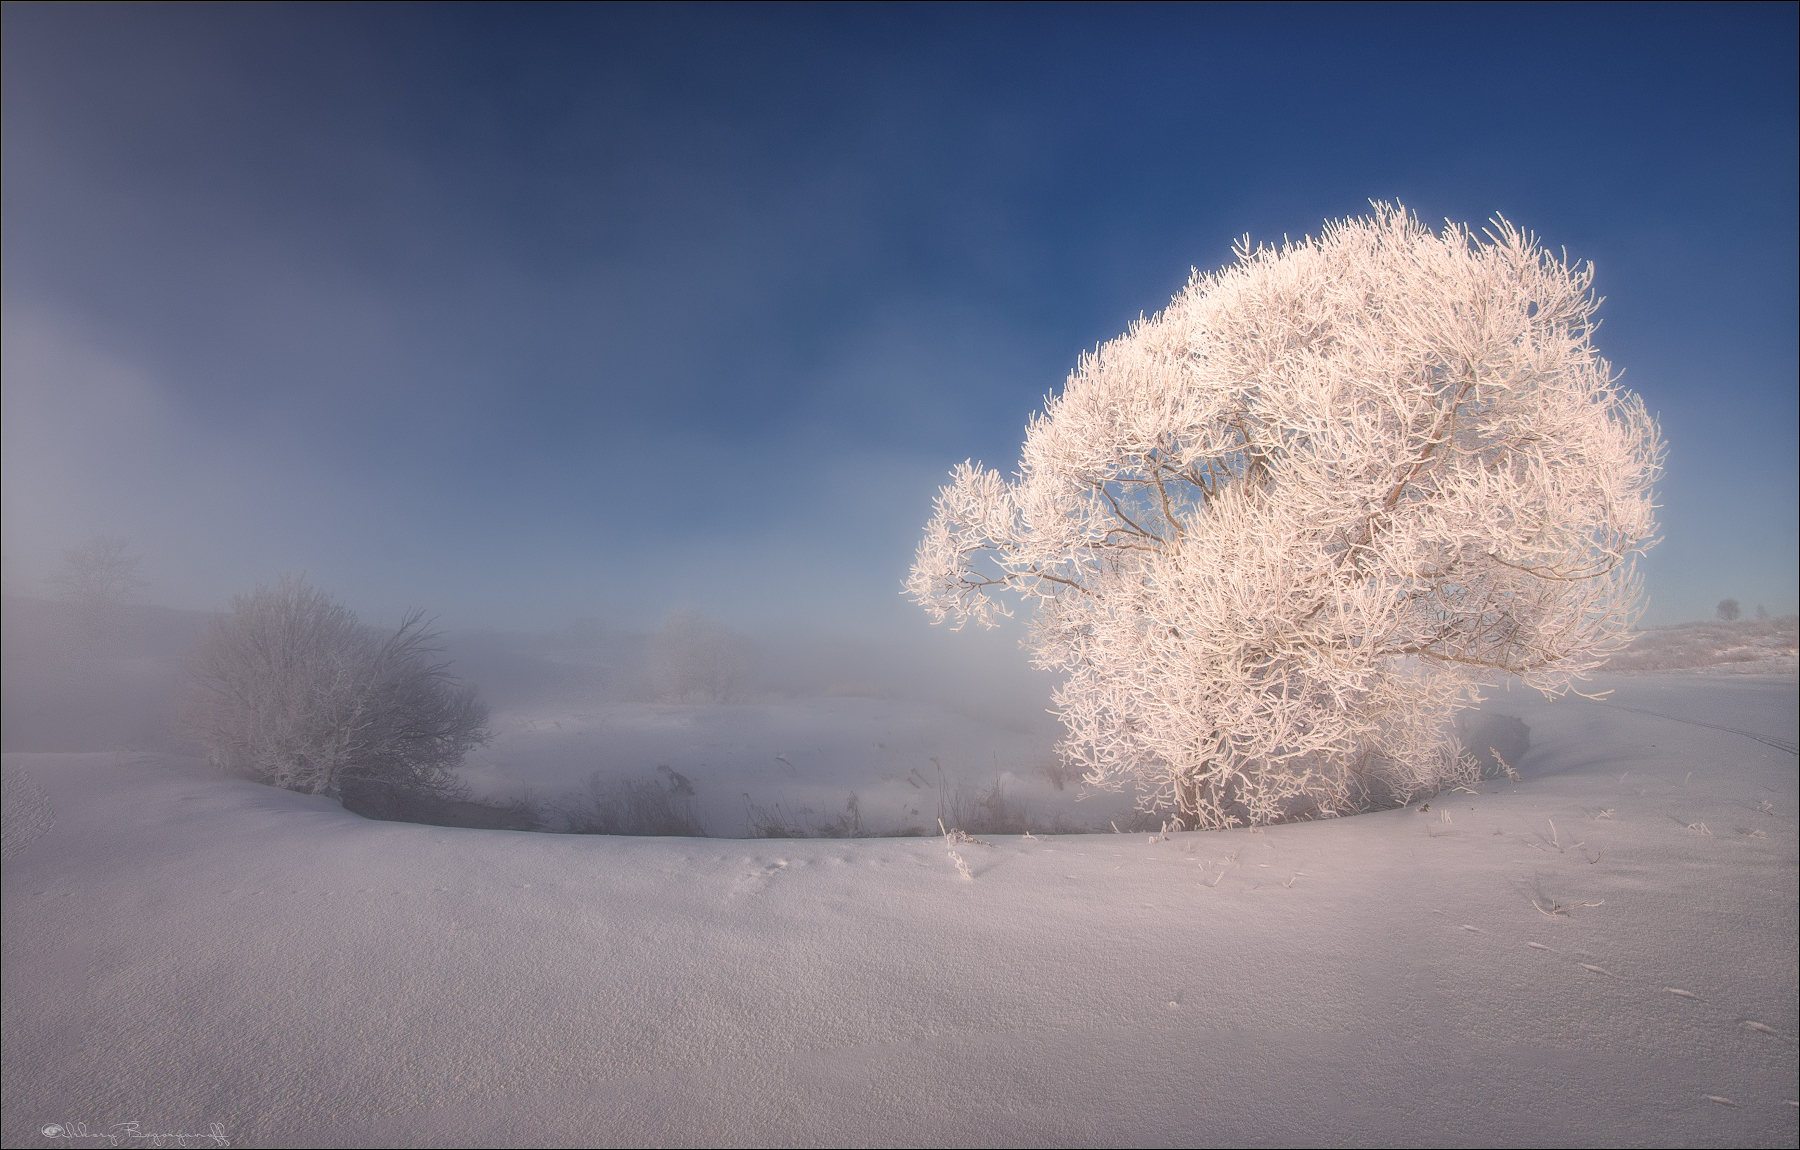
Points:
x=182, y=950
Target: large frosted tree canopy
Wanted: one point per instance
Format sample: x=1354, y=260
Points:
x=1278, y=533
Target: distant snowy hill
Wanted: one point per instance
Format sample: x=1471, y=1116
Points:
x=1748, y=646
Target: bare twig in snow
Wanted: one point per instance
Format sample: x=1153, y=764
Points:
x=1558, y=910
x=1512, y=773
x=953, y=837
x=1765, y=1028
x=1554, y=842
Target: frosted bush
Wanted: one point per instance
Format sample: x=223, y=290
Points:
x=1276, y=535
x=291, y=689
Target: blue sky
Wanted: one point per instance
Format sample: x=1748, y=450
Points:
x=523, y=314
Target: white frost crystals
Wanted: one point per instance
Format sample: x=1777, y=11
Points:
x=1278, y=533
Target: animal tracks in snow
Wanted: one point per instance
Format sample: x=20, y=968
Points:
x=753, y=879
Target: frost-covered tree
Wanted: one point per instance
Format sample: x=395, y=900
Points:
x=291, y=689
x=100, y=574
x=1277, y=534
x=1729, y=610
x=696, y=659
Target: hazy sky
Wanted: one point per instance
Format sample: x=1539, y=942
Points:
x=521, y=314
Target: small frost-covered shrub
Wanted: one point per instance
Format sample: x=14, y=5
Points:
x=1496, y=742
x=1278, y=533
x=291, y=689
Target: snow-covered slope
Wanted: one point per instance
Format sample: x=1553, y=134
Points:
x=1745, y=646
x=181, y=950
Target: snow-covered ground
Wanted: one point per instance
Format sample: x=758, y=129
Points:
x=1602, y=953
